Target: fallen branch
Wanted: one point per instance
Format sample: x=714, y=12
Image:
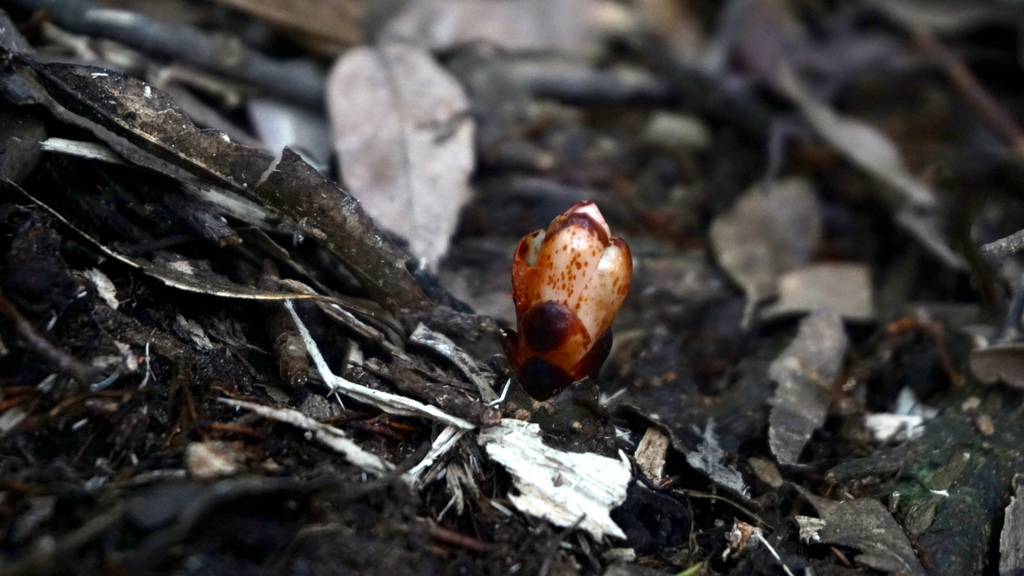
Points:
x=1004, y=247
x=299, y=81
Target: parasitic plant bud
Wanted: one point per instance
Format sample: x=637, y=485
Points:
x=568, y=282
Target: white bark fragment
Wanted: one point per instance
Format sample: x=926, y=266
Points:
x=561, y=487
x=810, y=529
x=893, y=427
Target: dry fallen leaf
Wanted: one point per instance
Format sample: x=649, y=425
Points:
x=948, y=17
x=677, y=26
x=768, y=231
x=914, y=203
x=404, y=141
x=806, y=374
x=147, y=129
x=540, y=26
x=772, y=44
x=711, y=460
x=843, y=287
x=865, y=525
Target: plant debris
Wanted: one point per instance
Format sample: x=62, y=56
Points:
x=256, y=263
x=806, y=373
x=404, y=140
x=1011, y=539
x=772, y=229
x=865, y=525
x=567, y=489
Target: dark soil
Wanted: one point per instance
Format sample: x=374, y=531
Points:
x=132, y=307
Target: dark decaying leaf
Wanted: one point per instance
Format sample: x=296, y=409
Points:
x=771, y=229
x=144, y=125
x=704, y=454
x=710, y=459
x=10, y=36
x=441, y=344
x=170, y=276
x=806, y=374
x=405, y=142
x=21, y=135
x=864, y=524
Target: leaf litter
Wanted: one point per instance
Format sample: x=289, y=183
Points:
x=772, y=228
x=404, y=139
x=865, y=525
x=806, y=372
x=681, y=129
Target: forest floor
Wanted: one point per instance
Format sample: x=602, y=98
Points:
x=257, y=264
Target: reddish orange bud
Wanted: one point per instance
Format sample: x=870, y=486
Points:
x=568, y=282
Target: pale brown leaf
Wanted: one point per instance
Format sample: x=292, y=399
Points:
x=768, y=231
x=404, y=142
x=843, y=287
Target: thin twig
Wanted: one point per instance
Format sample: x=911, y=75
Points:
x=552, y=547
x=979, y=98
x=761, y=539
x=697, y=494
x=1004, y=247
x=456, y=539
x=61, y=360
x=298, y=81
